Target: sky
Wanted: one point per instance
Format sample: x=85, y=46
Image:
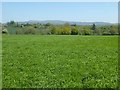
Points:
x=66, y=11
x=60, y=0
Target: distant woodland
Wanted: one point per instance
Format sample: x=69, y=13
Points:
x=13, y=27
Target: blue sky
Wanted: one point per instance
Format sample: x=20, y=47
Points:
x=68, y=11
x=60, y=0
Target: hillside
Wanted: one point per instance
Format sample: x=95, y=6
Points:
x=63, y=22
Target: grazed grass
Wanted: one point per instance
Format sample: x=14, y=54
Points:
x=60, y=61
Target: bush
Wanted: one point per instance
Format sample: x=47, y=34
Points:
x=113, y=31
x=19, y=31
x=74, y=30
x=106, y=33
x=66, y=30
x=30, y=30
x=53, y=30
x=86, y=32
x=4, y=31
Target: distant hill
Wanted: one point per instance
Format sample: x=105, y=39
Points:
x=63, y=22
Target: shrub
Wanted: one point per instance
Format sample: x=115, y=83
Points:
x=30, y=30
x=19, y=31
x=4, y=31
x=74, y=30
x=86, y=32
x=66, y=30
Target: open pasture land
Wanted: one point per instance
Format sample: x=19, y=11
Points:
x=51, y=61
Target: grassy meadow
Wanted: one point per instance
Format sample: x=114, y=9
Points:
x=56, y=61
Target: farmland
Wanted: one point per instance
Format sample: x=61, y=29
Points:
x=51, y=61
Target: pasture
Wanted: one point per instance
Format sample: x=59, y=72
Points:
x=56, y=61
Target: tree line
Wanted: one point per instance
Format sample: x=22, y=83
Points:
x=65, y=29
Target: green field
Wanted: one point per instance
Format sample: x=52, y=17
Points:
x=36, y=61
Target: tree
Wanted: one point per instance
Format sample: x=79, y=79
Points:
x=48, y=24
x=17, y=25
x=53, y=30
x=19, y=31
x=12, y=22
x=86, y=32
x=113, y=30
x=30, y=30
x=93, y=27
x=74, y=30
x=119, y=28
x=66, y=30
x=98, y=32
x=73, y=25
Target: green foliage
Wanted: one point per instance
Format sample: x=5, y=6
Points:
x=86, y=32
x=29, y=30
x=74, y=30
x=12, y=23
x=113, y=30
x=56, y=30
x=66, y=29
x=53, y=30
x=93, y=27
x=48, y=24
x=19, y=31
x=53, y=61
x=4, y=31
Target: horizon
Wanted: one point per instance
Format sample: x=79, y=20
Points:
x=63, y=11
x=62, y=20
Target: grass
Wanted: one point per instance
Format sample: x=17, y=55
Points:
x=59, y=61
